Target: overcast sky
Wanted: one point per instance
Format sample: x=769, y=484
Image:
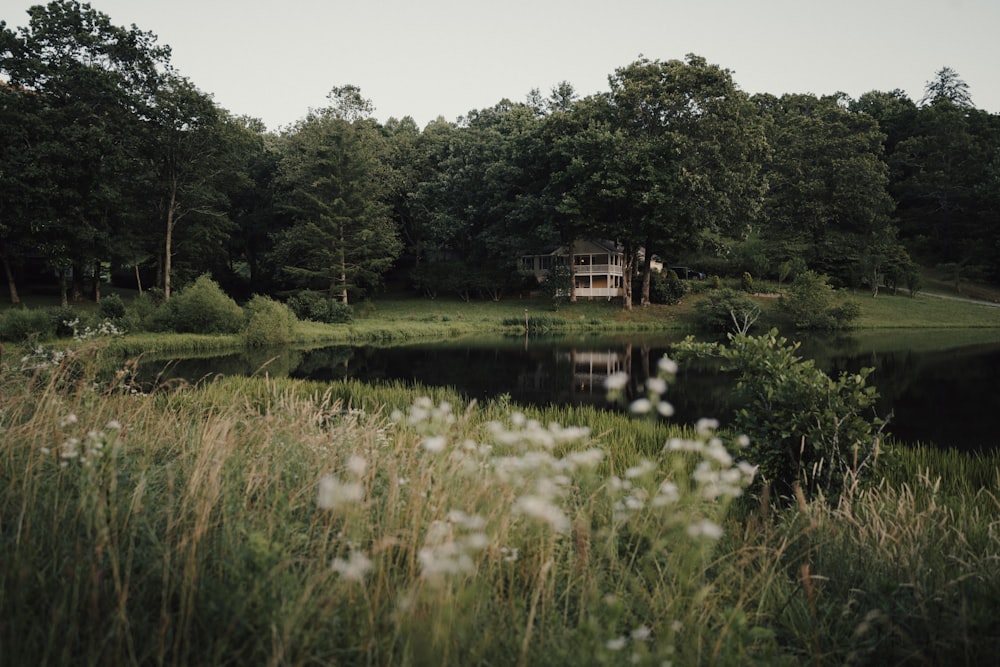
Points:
x=276, y=59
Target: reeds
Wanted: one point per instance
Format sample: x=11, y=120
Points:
x=271, y=521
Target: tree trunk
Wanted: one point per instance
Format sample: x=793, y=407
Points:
x=96, y=294
x=63, y=292
x=343, y=267
x=168, y=245
x=647, y=265
x=76, y=295
x=628, y=261
x=15, y=298
x=572, y=271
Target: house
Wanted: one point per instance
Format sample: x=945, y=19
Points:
x=598, y=267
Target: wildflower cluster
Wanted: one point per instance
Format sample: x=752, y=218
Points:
x=105, y=328
x=89, y=448
x=41, y=359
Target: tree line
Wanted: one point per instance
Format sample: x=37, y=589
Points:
x=112, y=162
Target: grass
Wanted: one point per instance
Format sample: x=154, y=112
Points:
x=281, y=522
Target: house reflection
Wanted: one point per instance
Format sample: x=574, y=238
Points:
x=576, y=375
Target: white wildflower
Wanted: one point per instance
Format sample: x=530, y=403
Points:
x=334, y=493
x=544, y=510
x=665, y=409
x=705, y=528
x=616, y=381
x=667, y=366
x=434, y=444
x=616, y=644
x=641, y=406
x=354, y=568
x=357, y=466
x=657, y=386
x=641, y=634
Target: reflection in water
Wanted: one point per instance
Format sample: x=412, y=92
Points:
x=944, y=394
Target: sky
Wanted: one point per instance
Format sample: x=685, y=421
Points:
x=276, y=60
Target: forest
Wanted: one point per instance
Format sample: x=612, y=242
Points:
x=114, y=166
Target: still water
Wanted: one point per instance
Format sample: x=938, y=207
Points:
x=938, y=386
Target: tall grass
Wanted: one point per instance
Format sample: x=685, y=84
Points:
x=271, y=521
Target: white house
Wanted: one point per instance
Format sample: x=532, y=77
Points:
x=598, y=267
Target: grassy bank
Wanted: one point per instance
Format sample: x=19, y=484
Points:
x=272, y=521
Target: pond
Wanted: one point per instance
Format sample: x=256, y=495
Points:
x=938, y=386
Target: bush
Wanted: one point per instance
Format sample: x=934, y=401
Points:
x=804, y=427
x=268, y=322
x=21, y=324
x=64, y=320
x=112, y=307
x=811, y=303
x=666, y=287
x=746, y=283
x=726, y=309
x=320, y=307
x=203, y=307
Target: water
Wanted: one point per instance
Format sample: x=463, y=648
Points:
x=938, y=387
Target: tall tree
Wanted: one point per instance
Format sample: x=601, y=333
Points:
x=699, y=144
x=90, y=84
x=193, y=153
x=947, y=85
x=828, y=201
x=331, y=180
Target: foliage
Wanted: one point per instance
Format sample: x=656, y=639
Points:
x=666, y=288
x=265, y=507
x=112, y=307
x=320, y=307
x=557, y=285
x=746, y=283
x=202, y=307
x=811, y=303
x=804, y=428
x=727, y=310
x=268, y=322
x=63, y=318
x=23, y=324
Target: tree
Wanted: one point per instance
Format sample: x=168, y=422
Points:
x=698, y=144
x=331, y=182
x=828, y=200
x=87, y=85
x=191, y=147
x=947, y=85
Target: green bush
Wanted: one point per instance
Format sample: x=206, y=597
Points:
x=64, y=320
x=666, y=287
x=268, y=322
x=804, y=427
x=203, y=307
x=320, y=307
x=112, y=307
x=727, y=310
x=811, y=303
x=746, y=282
x=21, y=324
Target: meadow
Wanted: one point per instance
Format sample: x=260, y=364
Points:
x=279, y=522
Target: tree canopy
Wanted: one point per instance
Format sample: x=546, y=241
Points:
x=110, y=160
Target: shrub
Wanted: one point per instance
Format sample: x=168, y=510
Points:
x=203, y=307
x=64, y=320
x=112, y=307
x=746, y=282
x=320, y=307
x=666, y=287
x=268, y=322
x=803, y=426
x=812, y=303
x=21, y=324
x=726, y=310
